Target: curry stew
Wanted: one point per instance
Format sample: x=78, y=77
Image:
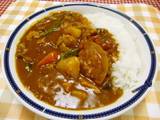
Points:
x=66, y=62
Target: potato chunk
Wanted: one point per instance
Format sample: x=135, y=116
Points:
x=94, y=62
x=69, y=66
x=74, y=31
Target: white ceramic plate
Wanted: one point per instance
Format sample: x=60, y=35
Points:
x=129, y=98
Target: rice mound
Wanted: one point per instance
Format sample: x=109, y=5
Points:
x=126, y=71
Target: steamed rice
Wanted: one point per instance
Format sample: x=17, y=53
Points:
x=126, y=71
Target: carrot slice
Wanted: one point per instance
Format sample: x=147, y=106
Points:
x=51, y=57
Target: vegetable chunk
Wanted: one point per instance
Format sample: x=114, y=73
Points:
x=69, y=66
x=51, y=57
x=74, y=31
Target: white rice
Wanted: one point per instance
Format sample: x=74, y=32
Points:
x=127, y=69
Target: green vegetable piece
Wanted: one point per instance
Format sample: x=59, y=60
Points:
x=69, y=53
x=50, y=31
x=54, y=28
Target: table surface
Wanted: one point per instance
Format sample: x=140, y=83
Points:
x=147, y=16
x=156, y=3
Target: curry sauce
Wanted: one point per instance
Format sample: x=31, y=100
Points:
x=66, y=62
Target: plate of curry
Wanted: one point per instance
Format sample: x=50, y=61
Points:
x=63, y=64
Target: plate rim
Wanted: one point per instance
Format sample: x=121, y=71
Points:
x=110, y=113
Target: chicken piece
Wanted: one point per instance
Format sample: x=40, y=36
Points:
x=94, y=62
x=69, y=67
